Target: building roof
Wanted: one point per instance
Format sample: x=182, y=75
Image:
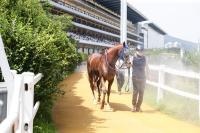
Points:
x=157, y=28
x=132, y=14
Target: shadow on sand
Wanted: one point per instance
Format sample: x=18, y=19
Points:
x=120, y=107
x=69, y=114
x=150, y=111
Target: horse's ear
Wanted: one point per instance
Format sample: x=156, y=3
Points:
x=124, y=44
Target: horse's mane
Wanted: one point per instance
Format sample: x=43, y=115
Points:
x=116, y=46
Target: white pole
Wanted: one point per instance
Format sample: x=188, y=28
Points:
x=161, y=80
x=5, y=69
x=198, y=46
x=199, y=96
x=1, y=105
x=181, y=52
x=123, y=22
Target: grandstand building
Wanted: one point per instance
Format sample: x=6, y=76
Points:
x=97, y=23
x=154, y=37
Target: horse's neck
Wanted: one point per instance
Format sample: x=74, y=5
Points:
x=113, y=55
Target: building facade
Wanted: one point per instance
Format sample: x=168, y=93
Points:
x=154, y=37
x=97, y=23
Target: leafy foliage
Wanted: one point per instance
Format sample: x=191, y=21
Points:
x=192, y=58
x=36, y=41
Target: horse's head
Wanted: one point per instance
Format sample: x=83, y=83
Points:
x=124, y=53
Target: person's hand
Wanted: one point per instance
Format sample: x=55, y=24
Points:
x=129, y=64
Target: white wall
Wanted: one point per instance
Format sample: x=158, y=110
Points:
x=155, y=39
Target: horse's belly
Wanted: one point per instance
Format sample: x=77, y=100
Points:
x=109, y=76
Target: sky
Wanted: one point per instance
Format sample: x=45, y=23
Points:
x=179, y=18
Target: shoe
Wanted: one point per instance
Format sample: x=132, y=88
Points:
x=138, y=110
x=133, y=109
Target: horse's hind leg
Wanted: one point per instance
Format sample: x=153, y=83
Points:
x=92, y=86
x=99, y=90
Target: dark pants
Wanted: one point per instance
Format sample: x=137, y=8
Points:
x=138, y=92
x=120, y=80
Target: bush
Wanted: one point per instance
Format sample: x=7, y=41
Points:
x=36, y=41
x=192, y=58
x=83, y=56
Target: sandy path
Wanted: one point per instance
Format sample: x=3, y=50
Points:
x=76, y=113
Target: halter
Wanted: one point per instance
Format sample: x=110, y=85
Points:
x=121, y=54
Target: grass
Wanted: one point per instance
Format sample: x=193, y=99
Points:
x=43, y=126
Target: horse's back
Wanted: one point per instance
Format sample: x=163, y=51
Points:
x=93, y=60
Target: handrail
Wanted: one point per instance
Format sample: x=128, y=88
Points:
x=188, y=74
x=162, y=86
x=37, y=78
x=35, y=109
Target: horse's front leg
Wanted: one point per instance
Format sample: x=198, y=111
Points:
x=104, y=92
x=110, y=82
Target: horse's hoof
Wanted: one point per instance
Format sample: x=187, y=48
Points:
x=98, y=102
x=95, y=102
x=108, y=110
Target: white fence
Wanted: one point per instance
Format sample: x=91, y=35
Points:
x=20, y=97
x=161, y=84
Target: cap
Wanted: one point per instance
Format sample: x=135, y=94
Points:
x=139, y=48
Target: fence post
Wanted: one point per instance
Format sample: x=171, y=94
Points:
x=199, y=96
x=6, y=73
x=1, y=109
x=28, y=101
x=161, y=79
x=182, y=52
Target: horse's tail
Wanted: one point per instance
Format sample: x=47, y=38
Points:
x=90, y=76
x=88, y=67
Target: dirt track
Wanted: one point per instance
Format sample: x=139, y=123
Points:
x=76, y=113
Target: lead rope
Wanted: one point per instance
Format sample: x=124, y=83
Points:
x=129, y=76
x=127, y=84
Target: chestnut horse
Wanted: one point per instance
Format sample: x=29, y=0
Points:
x=101, y=68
